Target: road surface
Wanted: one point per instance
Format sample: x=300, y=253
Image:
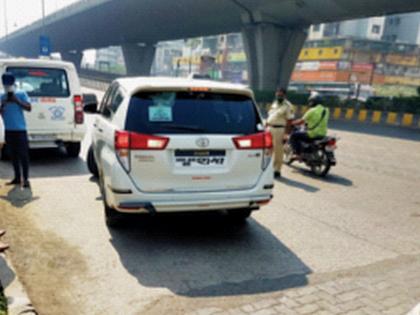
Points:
x=359, y=226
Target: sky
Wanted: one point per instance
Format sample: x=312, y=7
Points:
x=23, y=12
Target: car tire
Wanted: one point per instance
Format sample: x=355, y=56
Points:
x=112, y=216
x=91, y=163
x=239, y=215
x=4, y=154
x=73, y=149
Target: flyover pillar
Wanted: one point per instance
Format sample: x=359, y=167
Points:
x=74, y=57
x=138, y=58
x=272, y=52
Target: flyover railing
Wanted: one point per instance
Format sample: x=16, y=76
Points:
x=96, y=79
x=100, y=81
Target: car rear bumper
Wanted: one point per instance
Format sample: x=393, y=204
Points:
x=251, y=202
x=51, y=139
x=123, y=196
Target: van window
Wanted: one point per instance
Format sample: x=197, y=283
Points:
x=41, y=82
x=191, y=112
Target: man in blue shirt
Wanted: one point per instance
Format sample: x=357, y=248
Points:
x=13, y=103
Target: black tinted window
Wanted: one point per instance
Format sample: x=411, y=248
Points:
x=195, y=112
x=41, y=82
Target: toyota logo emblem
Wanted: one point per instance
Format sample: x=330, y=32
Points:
x=203, y=142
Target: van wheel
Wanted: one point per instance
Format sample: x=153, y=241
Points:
x=91, y=163
x=239, y=215
x=112, y=217
x=4, y=154
x=73, y=149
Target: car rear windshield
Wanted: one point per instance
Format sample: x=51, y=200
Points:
x=41, y=82
x=191, y=112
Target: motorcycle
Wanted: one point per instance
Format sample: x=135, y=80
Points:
x=317, y=154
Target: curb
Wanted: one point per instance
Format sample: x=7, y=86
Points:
x=372, y=117
x=17, y=298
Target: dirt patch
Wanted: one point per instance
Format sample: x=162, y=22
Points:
x=44, y=262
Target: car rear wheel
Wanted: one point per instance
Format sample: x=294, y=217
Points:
x=91, y=163
x=112, y=216
x=239, y=215
x=73, y=149
x=4, y=154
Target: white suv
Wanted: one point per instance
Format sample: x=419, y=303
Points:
x=57, y=117
x=178, y=145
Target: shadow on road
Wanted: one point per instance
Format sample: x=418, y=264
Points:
x=19, y=197
x=299, y=185
x=330, y=178
x=376, y=130
x=48, y=163
x=6, y=274
x=206, y=255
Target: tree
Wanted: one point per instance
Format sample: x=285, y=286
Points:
x=418, y=91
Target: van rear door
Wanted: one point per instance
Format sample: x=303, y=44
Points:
x=52, y=103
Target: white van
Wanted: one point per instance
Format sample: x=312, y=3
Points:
x=57, y=115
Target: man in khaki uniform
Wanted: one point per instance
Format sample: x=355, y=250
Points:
x=279, y=119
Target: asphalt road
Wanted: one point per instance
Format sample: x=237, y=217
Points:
x=365, y=215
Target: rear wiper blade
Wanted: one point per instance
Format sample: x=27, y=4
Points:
x=181, y=127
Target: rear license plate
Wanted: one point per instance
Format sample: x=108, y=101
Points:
x=200, y=158
x=42, y=138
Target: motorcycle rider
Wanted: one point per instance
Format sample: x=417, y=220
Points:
x=316, y=120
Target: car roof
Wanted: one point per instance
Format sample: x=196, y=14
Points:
x=48, y=63
x=135, y=84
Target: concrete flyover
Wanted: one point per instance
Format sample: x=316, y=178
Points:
x=274, y=30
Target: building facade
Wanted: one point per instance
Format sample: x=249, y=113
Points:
x=404, y=28
x=363, y=61
x=370, y=28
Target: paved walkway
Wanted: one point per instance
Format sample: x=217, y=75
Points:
x=393, y=292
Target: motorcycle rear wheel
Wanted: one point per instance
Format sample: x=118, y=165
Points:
x=323, y=168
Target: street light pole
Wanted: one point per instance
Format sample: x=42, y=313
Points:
x=6, y=27
x=43, y=17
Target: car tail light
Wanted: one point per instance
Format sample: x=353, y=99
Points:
x=127, y=141
x=262, y=140
x=78, y=109
x=257, y=141
x=147, y=142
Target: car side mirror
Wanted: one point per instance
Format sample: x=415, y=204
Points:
x=90, y=104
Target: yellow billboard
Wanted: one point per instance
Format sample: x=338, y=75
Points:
x=182, y=61
x=322, y=53
x=237, y=57
x=402, y=60
x=397, y=80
